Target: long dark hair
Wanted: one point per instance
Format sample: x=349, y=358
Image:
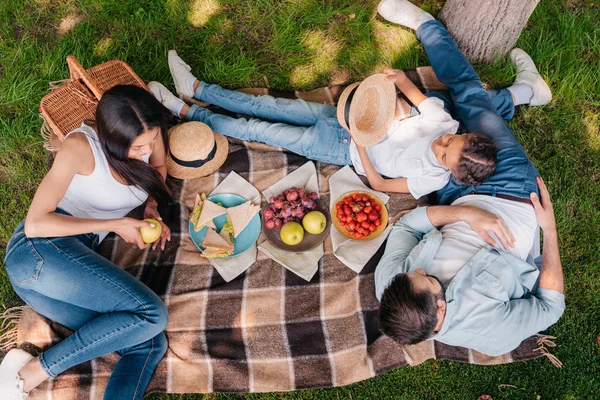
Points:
x=125, y=112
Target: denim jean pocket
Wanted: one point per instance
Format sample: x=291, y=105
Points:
x=23, y=262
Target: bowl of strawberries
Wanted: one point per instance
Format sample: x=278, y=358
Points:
x=359, y=215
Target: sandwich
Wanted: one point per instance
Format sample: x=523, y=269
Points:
x=204, y=212
x=216, y=245
x=238, y=217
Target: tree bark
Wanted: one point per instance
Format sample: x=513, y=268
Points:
x=486, y=29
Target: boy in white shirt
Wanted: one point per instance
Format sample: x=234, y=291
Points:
x=418, y=154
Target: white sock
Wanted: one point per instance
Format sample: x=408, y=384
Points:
x=521, y=92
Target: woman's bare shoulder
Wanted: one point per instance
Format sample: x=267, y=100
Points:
x=76, y=147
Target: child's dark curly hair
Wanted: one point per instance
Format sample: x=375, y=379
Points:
x=477, y=161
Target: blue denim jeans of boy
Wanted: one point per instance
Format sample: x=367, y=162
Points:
x=306, y=128
x=65, y=280
x=515, y=174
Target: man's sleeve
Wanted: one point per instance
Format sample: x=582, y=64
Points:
x=521, y=318
x=405, y=235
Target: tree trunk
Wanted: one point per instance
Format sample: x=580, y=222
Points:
x=485, y=29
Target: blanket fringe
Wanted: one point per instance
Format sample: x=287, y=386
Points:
x=545, y=341
x=9, y=327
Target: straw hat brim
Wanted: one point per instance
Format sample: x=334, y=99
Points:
x=181, y=172
x=341, y=105
x=371, y=111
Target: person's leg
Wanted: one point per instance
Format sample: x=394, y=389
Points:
x=290, y=111
x=66, y=314
x=502, y=101
x=67, y=271
x=472, y=102
x=326, y=141
x=515, y=174
x=133, y=372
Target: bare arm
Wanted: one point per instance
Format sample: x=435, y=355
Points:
x=405, y=85
x=158, y=160
x=42, y=221
x=377, y=182
x=551, y=276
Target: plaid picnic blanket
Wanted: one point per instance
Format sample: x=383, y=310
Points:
x=268, y=329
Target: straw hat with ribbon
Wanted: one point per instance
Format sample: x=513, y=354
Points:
x=195, y=151
x=366, y=109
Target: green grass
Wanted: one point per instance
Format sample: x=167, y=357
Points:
x=304, y=44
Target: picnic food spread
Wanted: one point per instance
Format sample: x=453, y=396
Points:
x=359, y=215
x=296, y=220
x=220, y=244
x=291, y=205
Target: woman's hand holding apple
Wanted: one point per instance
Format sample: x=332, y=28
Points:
x=129, y=230
x=151, y=212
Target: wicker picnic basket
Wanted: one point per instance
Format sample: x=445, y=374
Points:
x=74, y=100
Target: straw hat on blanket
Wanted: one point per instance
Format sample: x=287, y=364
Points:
x=195, y=151
x=366, y=109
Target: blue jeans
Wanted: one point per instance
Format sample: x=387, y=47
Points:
x=515, y=174
x=306, y=128
x=65, y=280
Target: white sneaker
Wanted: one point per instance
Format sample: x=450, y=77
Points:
x=403, y=12
x=168, y=99
x=182, y=77
x=11, y=386
x=528, y=74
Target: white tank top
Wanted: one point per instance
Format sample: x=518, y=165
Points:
x=99, y=195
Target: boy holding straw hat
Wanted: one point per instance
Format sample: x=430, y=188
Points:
x=418, y=154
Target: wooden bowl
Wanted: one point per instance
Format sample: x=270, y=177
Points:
x=309, y=241
x=384, y=216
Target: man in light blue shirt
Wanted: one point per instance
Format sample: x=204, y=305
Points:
x=490, y=304
x=468, y=283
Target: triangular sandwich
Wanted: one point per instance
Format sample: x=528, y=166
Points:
x=209, y=212
x=204, y=211
x=240, y=216
x=215, y=246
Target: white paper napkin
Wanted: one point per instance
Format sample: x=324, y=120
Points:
x=230, y=268
x=353, y=253
x=305, y=264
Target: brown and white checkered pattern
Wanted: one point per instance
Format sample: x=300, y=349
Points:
x=268, y=329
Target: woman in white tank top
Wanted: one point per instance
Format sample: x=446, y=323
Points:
x=99, y=175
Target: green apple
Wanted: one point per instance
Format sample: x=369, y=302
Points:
x=314, y=222
x=291, y=233
x=151, y=234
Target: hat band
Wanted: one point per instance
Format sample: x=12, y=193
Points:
x=196, y=163
x=347, y=106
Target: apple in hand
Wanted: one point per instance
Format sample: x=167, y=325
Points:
x=291, y=233
x=314, y=222
x=151, y=234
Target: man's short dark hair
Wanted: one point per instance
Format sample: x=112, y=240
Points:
x=477, y=161
x=407, y=316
